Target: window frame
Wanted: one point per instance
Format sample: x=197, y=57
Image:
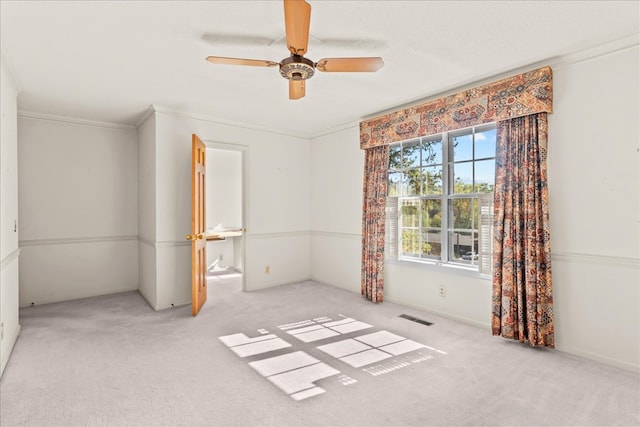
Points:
x=446, y=198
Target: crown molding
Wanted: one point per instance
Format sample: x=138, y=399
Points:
x=600, y=50
x=8, y=67
x=336, y=129
x=143, y=118
x=75, y=121
x=580, y=55
x=224, y=122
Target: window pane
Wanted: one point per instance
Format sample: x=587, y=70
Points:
x=394, y=187
x=431, y=213
x=411, y=154
x=462, y=148
x=431, y=246
x=395, y=157
x=464, y=213
x=485, y=176
x=432, y=152
x=463, y=178
x=411, y=213
x=417, y=178
x=432, y=180
x=412, y=182
x=464, y=246
x=486, y=144
x=411, y=242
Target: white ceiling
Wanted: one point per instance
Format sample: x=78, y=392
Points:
x=109, y=61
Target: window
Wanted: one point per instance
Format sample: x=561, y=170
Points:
x=440, y=198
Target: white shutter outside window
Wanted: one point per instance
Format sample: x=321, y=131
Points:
x=391, y=229
x=485, y=233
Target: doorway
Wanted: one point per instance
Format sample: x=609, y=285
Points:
x=225, y=219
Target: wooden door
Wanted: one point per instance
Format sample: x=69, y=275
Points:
x=198, y=225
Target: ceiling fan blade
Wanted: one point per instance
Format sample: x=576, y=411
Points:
x=297, y=17
x=296, y=89
x=240, y=61
x=370, y=64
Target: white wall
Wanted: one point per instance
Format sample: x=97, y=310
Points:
x=594, y=194
x=9, y=251
x=336, y=206
x=147, y=266
x=224, y=188
x=78, y=209
x=277, y=207
x=594, y=197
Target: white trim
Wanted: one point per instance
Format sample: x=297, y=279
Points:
x=11, y=345
x=283, y=234
x=143, y=118
x=611, y=261
x=171, y=243
x=445, y=315
x=163, y=243
x=76, y=240
x=320, y=233
x=335, y=129
x=226, y=146
x=557, y=61
x=600, y=50
x=146, y=242
x=76, y=121
x=440, y=267
x=11, y=72
x=9, y=259
x=225, y=122
x=202, y=117
x=598, y=358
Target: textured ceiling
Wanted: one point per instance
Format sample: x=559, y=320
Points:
x=109, y=60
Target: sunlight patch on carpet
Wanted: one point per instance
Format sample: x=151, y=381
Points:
x=297, y=372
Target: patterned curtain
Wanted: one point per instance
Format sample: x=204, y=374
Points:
x=522, y=303
x=373, y=215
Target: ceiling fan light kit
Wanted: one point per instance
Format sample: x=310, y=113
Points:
x=296, y=68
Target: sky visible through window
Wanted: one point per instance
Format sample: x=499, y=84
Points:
x=485, y=147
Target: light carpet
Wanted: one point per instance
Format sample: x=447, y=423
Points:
x=304, y=354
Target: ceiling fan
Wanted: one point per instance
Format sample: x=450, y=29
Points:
x=296, y=68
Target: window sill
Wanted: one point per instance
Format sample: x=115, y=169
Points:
x=440, y=267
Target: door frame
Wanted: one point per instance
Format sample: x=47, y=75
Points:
x=244, y=162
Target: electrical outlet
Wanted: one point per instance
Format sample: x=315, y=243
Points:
x=442, y=291
x=267, y=269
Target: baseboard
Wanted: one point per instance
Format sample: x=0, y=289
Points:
x=12, y=343
x=438, y=313
x=92, y=295
x=627, y=366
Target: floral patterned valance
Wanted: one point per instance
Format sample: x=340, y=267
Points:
x=521, y=95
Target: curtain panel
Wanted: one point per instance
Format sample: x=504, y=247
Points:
x=373, y=222
x=522, y=302
x=517, y=96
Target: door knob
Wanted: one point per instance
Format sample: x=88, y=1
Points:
x=195, y=236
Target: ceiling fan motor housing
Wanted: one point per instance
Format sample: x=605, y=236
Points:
x=297, y=67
